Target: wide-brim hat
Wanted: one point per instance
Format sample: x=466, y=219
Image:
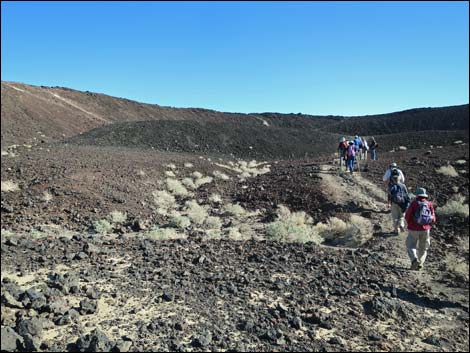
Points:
x=420, y=192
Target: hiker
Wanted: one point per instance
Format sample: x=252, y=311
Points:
x=398, y=201
x=350, y=156
x=364, y=149
x=419, y=216
x=342, y=148
x=357, y=144
x=393, y=170
x=373, y=149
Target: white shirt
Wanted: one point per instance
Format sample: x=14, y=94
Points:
x=401, y=178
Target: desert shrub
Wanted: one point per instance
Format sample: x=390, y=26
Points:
x=169, y=173
x=197, y=175
x=220, y=175
x=215, y=198
x=46, y=197
x=355, y=232
x=212, y=223
x=140, y=173
x=4, y=153
x=171, y=166
x=459, y=267
x=117, y=217
x=402, y=148
x=460, y=162
x=188, y=165
x=179, y=221
x=195, y=212
x=164, y=234
x=176, y=188
x=201, y=181
x=234, y=210
x=189, y=183
x=291, y=227
x=164, y=201
x=455, y=206
x=102, y=226
x=447, y=170
x=9, y=186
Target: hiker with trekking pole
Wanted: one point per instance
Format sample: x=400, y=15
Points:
x=342, y=148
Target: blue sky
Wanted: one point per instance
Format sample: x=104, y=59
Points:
x=338, y=58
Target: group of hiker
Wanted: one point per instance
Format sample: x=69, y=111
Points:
x=349, y=151
x=419, y=215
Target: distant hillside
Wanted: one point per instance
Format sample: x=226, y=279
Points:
x=32, y=113
x=238, y=140
x=59, y=112
x=422, y=119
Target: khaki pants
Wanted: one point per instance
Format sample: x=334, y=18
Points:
x=398, y=217
x=417, y=244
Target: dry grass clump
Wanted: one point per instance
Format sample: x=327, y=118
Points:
x=197, y=175
x=459, y=267
x=215, y=198
x=9, y=186
x=179, y=221
x=141, y=173
x=234, y=210
x=170, y=174
x=447, y=170
x=164, y=201
x=402, y=148
x=176, y=187
x=102, y=226
x=171, y=166
x=46, y=196
x=164, y=234
x=455, y=206
x=204, y=180
x=117, y=217
x=4, y=153
x=220, y=175
x=189, y=183
x=337, y=232
x=188, y=165
x=460, y=162
x=212, y=222
x=195, y=212
x=292, y=227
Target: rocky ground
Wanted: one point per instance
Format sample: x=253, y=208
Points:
x=74, y=289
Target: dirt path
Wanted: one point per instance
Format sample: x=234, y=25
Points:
x=345, y=189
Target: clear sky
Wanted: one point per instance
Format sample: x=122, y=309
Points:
x=338, y=58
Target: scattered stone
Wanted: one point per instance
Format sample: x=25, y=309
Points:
x=202, y=340
x=92, y=293
x=31, y=344
x=96, y=341
x=88, y=306
x=33, y=327
x=433, y=340
x=122, y=345
x=10, y=340
x=10, y=301
x=385, y=308
x=168, y=297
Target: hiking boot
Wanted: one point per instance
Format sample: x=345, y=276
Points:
x=419, y=267
x=414, y=265
x=402, y=229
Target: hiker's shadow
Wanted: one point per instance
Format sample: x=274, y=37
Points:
x=432, y=303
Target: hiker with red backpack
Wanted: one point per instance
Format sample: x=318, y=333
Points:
x=350, y=156
x=419, y=216
x=398, y=201
x=342, y=148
